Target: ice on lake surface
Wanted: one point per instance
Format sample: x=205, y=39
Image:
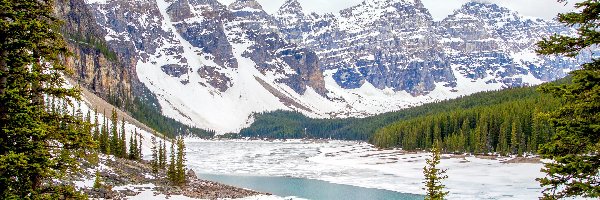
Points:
x=360, y=164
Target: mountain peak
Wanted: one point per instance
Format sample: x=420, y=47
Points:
x=241, y=4
x=483, y=6
x=291, y=7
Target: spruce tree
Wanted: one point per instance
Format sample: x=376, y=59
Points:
x=114, y=138
x=97, y=181
x=132, y=148
x=38, y=143
x=171, y=173
x=164, y=162
x=515, y=136
x=140, y=153
x=575, y=147
x=154, y=161
x=122, y=141
x=162, y=155
x=96, y=135
x=180, y=164
x=434, y=176
x=88, y=124
x=135, y=153
x=105, y=138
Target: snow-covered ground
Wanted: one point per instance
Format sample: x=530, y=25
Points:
x=360, y=164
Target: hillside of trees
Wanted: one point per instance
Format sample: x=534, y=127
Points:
x=514, y=126
x=486, y=119
x=147, y=111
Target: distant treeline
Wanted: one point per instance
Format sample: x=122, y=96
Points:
x=515, y=126
x=506, y=121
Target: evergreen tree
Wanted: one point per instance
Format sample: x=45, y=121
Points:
x=140, y=153
x=132, y=148
x=97, y=181
x=154, y=161
x=180, y=164
x=105, y=138
x=161, y=155
x=30, y=73
x=122, y=141
x=502, y=147
x=136, y=153
x=434, y=176
x=96, y=135
x=575, y=147
x=171, y=173
x=88, y=123
x=115, y=146
x=515, y=135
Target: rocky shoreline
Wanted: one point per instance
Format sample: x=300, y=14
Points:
x=121, y=178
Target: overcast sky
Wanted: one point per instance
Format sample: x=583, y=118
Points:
x=546, y=9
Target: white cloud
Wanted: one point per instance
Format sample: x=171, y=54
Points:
x=439, y=9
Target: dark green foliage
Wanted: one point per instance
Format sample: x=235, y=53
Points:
x=96, y=135
x=457, y=133
x=133, y=147
x=154, y=161
x=38, y=142
x=97, y=181
x=140, y=153
x=135, y=153
x=171, y=172
x=92, y=42
x=162, y=155
x=115, y=146
x=105, y=138
x=122, y=140
x=146, y=113
x=176, y=170
x=575, y=148
x=478, y=129
x=434, y=176
x=179, y=173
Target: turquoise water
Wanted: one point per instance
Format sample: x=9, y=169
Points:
x=308, y=188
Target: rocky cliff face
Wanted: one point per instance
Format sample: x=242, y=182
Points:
x=95, y=64
x=396, y=44
x=213, y=65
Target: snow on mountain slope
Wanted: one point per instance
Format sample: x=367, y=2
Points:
x=213, y=65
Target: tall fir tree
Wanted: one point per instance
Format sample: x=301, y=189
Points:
x=141, y=154
x=162, y=156
x=96, y=134
x=515, y=136
x=434, y=176
x=88, y=121
x=115, y=146
x=575, y=147
x=31, y=72
x=154, y=161
x=105, y=138
x=171, y=173
x=122, y=140
x=164, y=153
x=132, y=148
x=180, y=163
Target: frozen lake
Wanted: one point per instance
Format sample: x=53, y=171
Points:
x=356, y=164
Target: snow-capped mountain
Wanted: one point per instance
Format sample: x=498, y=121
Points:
x=213, y=65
